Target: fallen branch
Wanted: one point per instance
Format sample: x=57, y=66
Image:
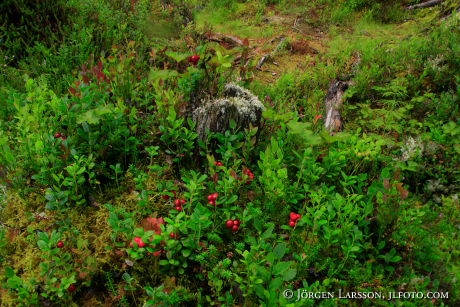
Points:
x=261, y=62
x=269, y=55
x=425, y=4
x=228, y=40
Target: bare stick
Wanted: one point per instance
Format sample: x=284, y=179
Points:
x=425, y=4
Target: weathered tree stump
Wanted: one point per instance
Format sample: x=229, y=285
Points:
x=238, y=104
x=334, y=98
x=333, y=103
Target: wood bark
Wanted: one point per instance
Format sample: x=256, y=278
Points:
x=334, y=98
x=229, y=41
x=425, y=4
x=333, y=103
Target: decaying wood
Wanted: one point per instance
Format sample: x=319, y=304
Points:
x=425, y=4
x=228, y=40
x=333, y=103
x=334, y=97
x=237, y=104
x=262, y=61
x=270, y=55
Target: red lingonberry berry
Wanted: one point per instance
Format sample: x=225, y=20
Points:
x=218, y=163
x=212, y=202
x=72, y=288
x=178, y=208
x=229, y=224
x=60, y=244
x=183, y=201
x=292, y=223
x=235, y=228
x=157, y=253
x=57, y=135
x=213, y=196
x=194, y=59
x=177, y=202
x=173, y=235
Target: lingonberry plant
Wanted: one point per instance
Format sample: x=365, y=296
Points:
x=112, y=195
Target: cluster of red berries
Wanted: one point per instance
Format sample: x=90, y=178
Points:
x=212, y=198
x=139, y=242
x=233, y=225
x=179, y=203
x=194, y=59
x=293, y=218
x=59, y=135
x=250, y=175
x=218, y=163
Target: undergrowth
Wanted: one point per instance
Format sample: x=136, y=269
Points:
x=109, y=196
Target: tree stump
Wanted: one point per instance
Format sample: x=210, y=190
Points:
x=237, y=104
x=333, y=103
x=334, y=98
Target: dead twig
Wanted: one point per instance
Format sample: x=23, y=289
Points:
x=270, y=55
x=429, y=3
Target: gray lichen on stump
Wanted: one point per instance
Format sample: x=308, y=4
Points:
x=237, y=104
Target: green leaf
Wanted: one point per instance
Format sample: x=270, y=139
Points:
x=186, y=252
x=269, y=232
x=14, y=282
x=289, y=274
x=280, y=250
x=39, y=145
x=355, y=249
x=178, y=57
x=259, y=225
x=281, y=267
x=9, y=272
x=396, y=259
x=89, y=116
x=138, y=232
x=231, y=199
x=275, y=284
x=42, y=245
x=321, y=222
x=156, y=75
